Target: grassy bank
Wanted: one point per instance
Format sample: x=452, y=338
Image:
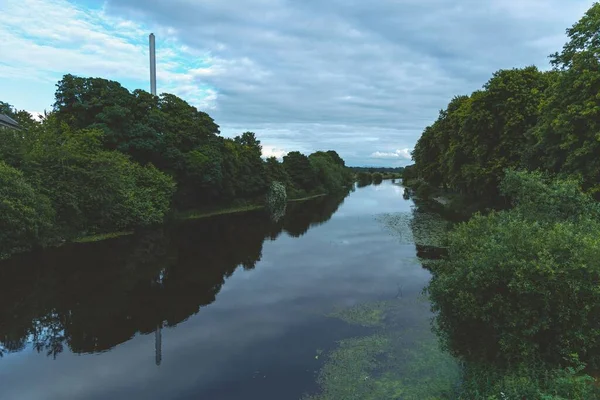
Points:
x=210, y=212
x=307, y=198
x=232, y=209
x=194, y=215
x=102, y=236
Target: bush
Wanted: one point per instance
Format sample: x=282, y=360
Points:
x=25, y=216
x=364, y=178
x=95, y=190
x=331, y=176
x=377, y=178
x=513, y=288
x=148, y=193
x=276, y=200
x=540, y=198
x=531, y=382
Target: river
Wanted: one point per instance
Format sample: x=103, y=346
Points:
x=230, y=307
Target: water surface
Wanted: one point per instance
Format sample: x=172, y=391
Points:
x=228, y=307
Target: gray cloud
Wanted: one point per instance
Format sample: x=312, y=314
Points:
x=361, y=77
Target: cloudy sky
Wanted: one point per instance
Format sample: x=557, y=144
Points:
x=361, y=77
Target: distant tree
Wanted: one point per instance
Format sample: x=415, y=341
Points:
x=364, y=178
x=377, y=178
x=335, y=157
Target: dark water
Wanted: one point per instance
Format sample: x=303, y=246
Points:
x=232, y=307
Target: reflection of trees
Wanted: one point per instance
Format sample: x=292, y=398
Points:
x=304, y=215
x=92, y=297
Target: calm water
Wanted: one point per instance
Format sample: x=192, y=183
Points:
x=232, y=307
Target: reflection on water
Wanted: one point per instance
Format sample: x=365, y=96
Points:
x=235, y=306
x=92, y=297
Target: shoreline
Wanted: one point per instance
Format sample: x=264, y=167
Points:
x=191, y=216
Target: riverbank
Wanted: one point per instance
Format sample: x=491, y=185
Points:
x=102, y=236
x=195, y=215
x=451, y=205
x=232, y=209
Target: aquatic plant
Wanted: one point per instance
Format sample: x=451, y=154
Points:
x=392, y=362
x=419, y=227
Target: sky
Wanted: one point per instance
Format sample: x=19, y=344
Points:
x=363, y=78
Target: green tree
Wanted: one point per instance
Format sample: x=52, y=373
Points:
x=91, y=189
x=329, y=172
x=566, y=139
x=300, y=171
x=377, y=178
x=515, y=288
x=276, y=172
x=26, y=216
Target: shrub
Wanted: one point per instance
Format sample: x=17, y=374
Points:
x=25, y=216
x=276, y=200
x=364, y=178
x=513, y=288
x=527, y=381
x=377, y=178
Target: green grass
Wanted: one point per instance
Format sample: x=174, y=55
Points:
x=307, y=198
x=210, y=212
x=205, y=213
x=102, y=236
x=192, y=215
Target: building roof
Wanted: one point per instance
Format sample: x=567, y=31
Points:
x=8, y=122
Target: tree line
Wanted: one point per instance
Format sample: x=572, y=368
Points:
x=516, y=292
x=106, y=159
x=51, y=299
x=521, y=118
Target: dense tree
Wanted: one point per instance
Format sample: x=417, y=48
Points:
x=298, y=168
x=516, y=296
x=26, y=217
x=478, y=136
x=364, y=178
x=108, y=159
x=522, y=117
x=329, y=171
x=377, y=178
x=522, y=284
x=276, y=171
x=91, y=189
x=566, y=139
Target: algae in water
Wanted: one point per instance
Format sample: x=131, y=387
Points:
x=390, y=364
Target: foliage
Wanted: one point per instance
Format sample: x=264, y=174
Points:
x=538, y=197
x=276, y=172
x=364, y=178
x=329, y=171
x=91, y=189
x=110, y=160
x=299, y=169
x=26, y=216
x=454, y=152
x=522, y=118
x=515, y=287
x=276, y=200
x=377, y=178
x=526, y=381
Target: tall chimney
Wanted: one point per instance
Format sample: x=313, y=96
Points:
x=152, y=65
